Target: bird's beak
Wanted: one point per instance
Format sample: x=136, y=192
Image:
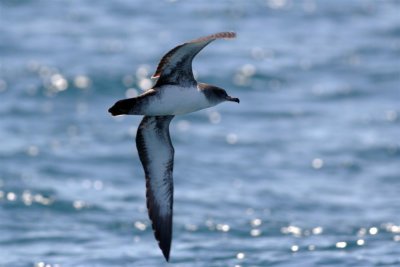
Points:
x=232, y=99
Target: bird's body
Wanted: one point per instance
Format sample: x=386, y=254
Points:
x=177, y=100
x=176, y=92
x=169, y=100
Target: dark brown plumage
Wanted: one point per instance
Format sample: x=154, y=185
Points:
x=175, y=67
x=156, y=153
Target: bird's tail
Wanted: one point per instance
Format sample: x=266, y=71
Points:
x=122, y=107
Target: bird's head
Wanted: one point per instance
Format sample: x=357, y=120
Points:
x=216, y=94
x=222, y=95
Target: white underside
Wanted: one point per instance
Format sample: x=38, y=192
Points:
x=176, y=100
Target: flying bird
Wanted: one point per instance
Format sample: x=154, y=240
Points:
x=175, y=92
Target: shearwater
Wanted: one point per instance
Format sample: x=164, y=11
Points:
x=175, y=92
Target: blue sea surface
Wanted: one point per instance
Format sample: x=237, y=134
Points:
x=305, y=171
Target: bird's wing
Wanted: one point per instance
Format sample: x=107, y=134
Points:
x=175, y=67
x=156, y=153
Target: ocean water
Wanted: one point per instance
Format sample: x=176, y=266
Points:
x=305, y=171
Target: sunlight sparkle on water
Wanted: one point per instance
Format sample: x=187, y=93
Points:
x=244, y=75
x=214, y=117
x=27, y=198
x=82, y=81
x=78, y=204
x=231, y=138
x=294, y=230
x=317, y=230
x=89, y=184
x=317, y=163
x=362, y=232
x=11, y=196
x=42, y=200
x=373, y=231
x=210, y=224
x=223, y=227
x=140, y=226
x=341, y=244
x=145, y=84
x=256, y=222
x=248, y=70
x=32, y=151
x=142, y=72
x=240, y=256
x=98, y=185
x=191, y=227
x=255, y=232
x=131, y=92
x=58, y=82
x=127, y=80
x=43, y=264
x=390, y=227
x=277, y=4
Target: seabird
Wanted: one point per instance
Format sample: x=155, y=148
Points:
x=176, y=92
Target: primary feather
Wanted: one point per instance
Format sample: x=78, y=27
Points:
x=156, y=153
x=176, y=65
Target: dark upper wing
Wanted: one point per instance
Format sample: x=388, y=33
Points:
x=176, y=66
x=157, y=156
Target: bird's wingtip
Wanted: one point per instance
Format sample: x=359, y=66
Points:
x=165, y=246
x=232, y=34
x=165, y=252
x=224, y=35
x=166, y=256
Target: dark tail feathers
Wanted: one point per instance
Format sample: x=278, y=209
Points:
x=122, y=107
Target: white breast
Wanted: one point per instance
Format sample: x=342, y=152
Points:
x=176, y=100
